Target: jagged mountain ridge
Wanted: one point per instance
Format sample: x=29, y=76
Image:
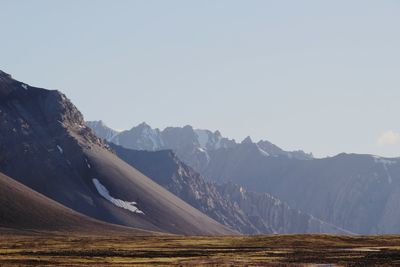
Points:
x=45, y=145
x=193, y=146
x=246, y=212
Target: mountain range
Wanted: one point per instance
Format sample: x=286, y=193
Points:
x=195, y=147
x=357, y=193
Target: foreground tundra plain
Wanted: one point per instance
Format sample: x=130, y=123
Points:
x=73, y=249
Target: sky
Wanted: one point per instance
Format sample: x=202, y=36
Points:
x=321, y=76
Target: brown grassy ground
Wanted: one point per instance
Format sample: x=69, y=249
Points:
x=45, y=249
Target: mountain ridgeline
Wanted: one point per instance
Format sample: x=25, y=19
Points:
x=195, y=147
x=357, y=193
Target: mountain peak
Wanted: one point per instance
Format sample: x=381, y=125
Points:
x=101, y=122
x=247, y=140
x=188, y=128
x=6, y=84
x=218, y=133
x=143, y=125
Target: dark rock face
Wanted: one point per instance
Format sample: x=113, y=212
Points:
x=229, y=204
x=45, y=145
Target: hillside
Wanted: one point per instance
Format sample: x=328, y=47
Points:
x=45, y=145
x=21, y=208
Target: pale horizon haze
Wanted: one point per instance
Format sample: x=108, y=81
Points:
x=321, y=76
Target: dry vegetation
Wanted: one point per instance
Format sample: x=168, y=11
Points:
x=45, y=249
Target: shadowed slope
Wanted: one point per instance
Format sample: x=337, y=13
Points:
x=22, y=208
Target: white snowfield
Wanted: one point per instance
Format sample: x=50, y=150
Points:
x=263, y=152
x=88, y=164
x=204, y=137
x=103, y=191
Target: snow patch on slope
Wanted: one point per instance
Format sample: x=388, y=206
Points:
x=154, y=137
x=385, y=163
x=103, y=191
x=60, y=149
x=263, y=152
x=88, y=164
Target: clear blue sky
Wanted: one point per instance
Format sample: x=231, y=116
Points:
x=323, y=76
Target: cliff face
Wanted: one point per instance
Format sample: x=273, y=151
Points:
x=264, y=210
